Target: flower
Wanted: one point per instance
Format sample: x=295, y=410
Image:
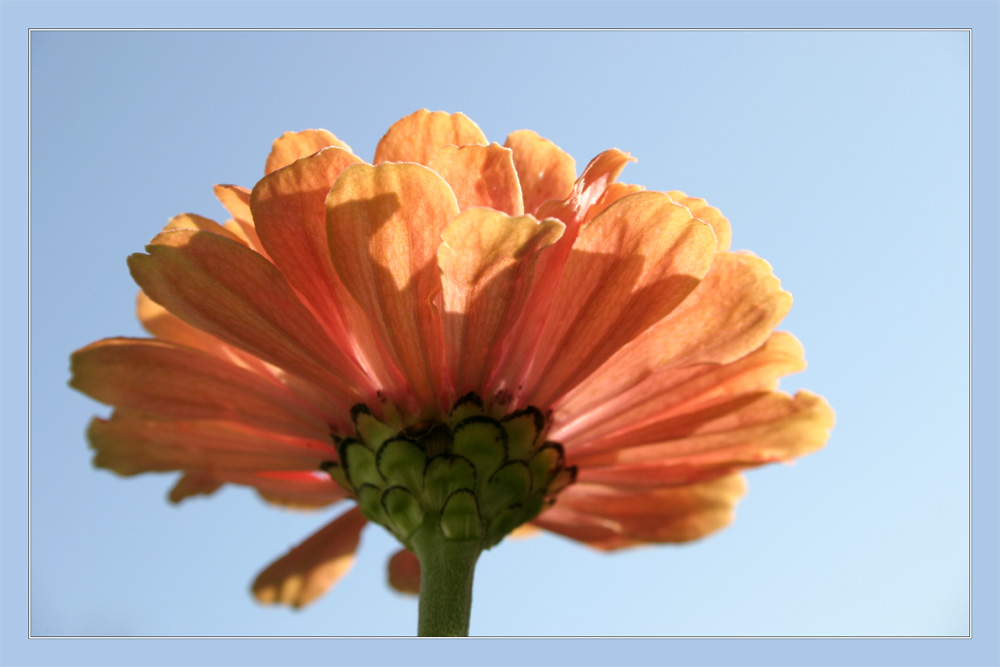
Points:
x=461, y=332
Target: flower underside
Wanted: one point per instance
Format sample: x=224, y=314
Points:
x=467, y=477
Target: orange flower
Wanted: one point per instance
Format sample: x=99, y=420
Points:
x=588, y=354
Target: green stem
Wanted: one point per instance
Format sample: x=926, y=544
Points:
x=446, y=569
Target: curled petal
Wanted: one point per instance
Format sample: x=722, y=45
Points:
x=630, y=267
x=312, y=567
x=129, y=445
x=228, y=290
x=748, y=432
x=480, y=176
x=544, y=170
x=166, y=381
x=487, y=265
x=417, y=137
x=404, y=572
x=291, y=146
x=608, y=518
x=588, y=190
x=384, y=227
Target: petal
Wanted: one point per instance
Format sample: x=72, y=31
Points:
x=289, y=207
x=197, y=222
x=611, y=194
x=629, y=268
x=773, y=427
x=731, y=313
x=596, y=178
x=384, y=225
x=233, y=293
x=544, y=170
x=161, y=380
x=194, y=484
x=404, y=572
x=700, y=209
x=236, y=199
x=606, y=413
x=291, y=489
x=480, y=176
x=417, y=137
x=487, y=264
x=312, y=567
x=608, y=518
x=291, y=146
x=128, y=445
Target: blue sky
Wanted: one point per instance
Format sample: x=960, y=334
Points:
x=840, y=157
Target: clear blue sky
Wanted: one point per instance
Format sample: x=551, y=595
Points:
x=841, y=158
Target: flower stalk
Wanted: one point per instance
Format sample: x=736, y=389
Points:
x=446, y=572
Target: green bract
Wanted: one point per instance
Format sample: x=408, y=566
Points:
x=470, y=477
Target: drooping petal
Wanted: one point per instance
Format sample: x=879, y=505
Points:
x=731, y=313
x=291, y=146
x=544, y=170
x=312, y=567
x=199, y=483
x=129, y=445
x=161, y=380
x=487, y=265
x=609, y=518
x=774, y=427
x=228, y=290
x=385, y=225
x=404, y=572
x=630, y=267
x=592, y=418
x=480, y=176
x=417, y=137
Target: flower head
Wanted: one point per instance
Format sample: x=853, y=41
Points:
x=460, y=335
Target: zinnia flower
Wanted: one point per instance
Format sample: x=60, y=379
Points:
x=461, y=338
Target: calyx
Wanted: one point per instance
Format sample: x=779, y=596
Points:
x=470, y=476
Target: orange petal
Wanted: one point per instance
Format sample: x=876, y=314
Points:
x=774, y=427
x=487, y=264
x=385, y=225
x=612, y=193
x=629, y=268
x=544, y=170
x=608, y=518
x=289, y=207
x=480, y=176
x=593, y=419
x=161, y=380
x=129, y=446
x=236, y=200
x=700, y=209
x=404, y=572
x=417, y=137
x=233, y=293
x=194, y=484
x=596, y=178
x=291, y=489
x=312, y=567
x=291, y=146
x=197, y=222
x=731, y=313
